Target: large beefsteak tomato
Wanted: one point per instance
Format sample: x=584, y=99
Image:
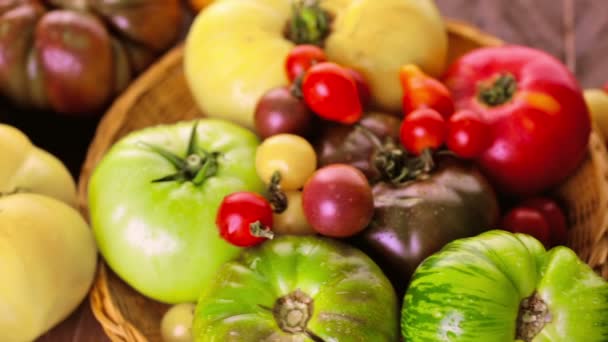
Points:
x=503, y=287
x=153, y=200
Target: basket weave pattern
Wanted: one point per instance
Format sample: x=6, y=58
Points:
x=161, y=95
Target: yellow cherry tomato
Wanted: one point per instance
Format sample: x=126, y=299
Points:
x=291, y=156
x=292, y=221
x=176, y=325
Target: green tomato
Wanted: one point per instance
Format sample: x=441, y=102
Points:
x=500, y=286
x=296, y=289
x=153, y=201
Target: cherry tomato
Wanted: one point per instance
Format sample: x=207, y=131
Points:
x=292, y=221
x=244, y=219
x=554, y=216
x=606, y=87
x=421, y=129
x=338, y=201
x=330, y=91
x=290, y=155
x=279, y=111
x=528, y=221
x=365, y=94
x=176, y=324
x=301, y=58
x=468, y=135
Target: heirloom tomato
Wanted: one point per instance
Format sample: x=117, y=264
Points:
x=298, y=289
x=153, y=201
x=535, y=112
x=505, y=287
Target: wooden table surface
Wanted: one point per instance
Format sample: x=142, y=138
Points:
x=573, y=31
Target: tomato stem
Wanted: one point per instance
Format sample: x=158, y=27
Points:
x=277, y=198
x=499, y=92
x=257, y=229
x=533, y=316
x=309, y=23
x=293, y=311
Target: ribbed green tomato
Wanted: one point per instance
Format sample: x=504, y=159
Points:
x=297, y=289
x=500, y=286
x=153, y=201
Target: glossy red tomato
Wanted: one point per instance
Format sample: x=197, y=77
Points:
x=244, y=219
x=301, y=58
x=330, y=91
x=365, y=94
x=554, y=215
x=338, y=201
x=528, y=221
x=423, y=129
x=468, y=135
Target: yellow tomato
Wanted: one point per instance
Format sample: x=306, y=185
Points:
x=597, y=101
x=31, y=169
x=292, y=221
x=235, y=50
x=290, y=155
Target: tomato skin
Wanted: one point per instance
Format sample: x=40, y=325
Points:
x=553, y=215
x=301, y=58
x=279, y=111
x=423, y=91
x=540, y=127
x=528, y=221
x=236, y=214
x=338, y=201
x=468, y=135
x=365, y=94
x=330, y=91
x=422, y=129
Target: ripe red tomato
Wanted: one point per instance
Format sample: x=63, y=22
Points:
x=554, y=216
x=301, y=58
x=365, y=94
x=468, y=135
x=338, y=201
x=244, y=219
x=528, y=221
x=421, y=129
x=330, y=91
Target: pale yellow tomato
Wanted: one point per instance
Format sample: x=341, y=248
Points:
x=290, y=155
x=597, y=101
x=176, y=324
x=292, y=221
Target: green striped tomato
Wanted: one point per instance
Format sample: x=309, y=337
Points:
x=486, y=287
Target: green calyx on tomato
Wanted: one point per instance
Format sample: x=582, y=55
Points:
x=502, y=287
x=298, y=288
x=500, y=91
x=153, y=209
x=309, y=23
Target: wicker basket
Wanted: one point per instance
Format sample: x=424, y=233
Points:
x=161, y=96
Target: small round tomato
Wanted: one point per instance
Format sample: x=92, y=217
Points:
x=468, y=135
x=365, y=94
x=244, y=219
x=176, y=324
x=423, y=129
x=279, y=111
x=301, y=58
x=528, y=221
x=338, y=201
x=292, y=221
x=330, y=91
x=554, y=215
x=290, y=155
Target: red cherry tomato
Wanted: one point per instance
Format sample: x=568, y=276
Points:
x=301, y=58
x=528, y=221
x=468, y=135
x=244, y=218
x=554, y=216
x=421, y=129
x=606, y=87
x=330, y=91
x=365, y=94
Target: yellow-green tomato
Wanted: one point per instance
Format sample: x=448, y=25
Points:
x=235, y=50
x=25, y=167
x=292, y=221
x=47, y=264
x=597, y=101
x=290, y=155
x=176, y=325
